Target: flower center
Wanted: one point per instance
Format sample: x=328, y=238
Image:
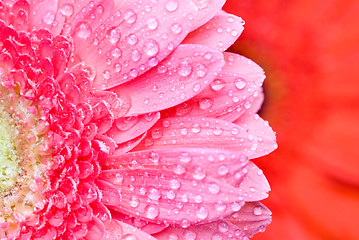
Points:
x=9, y=161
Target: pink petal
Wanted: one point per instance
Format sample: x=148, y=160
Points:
x=253, y=217
x=227, y=166
x=160, y=195
x=207, y=9
x=178, y=78
x=133, y=39
x=220, y=32
x=227, y=97
x=254, y=186
x=110, y=194
x=239, y=64
x=129, y=145
x=210, y=132
x=125, y=129
x=96, y=229
x=43, y=13
x=221, y=230
x=114, y=230
x=259, y=128
x=131, y=233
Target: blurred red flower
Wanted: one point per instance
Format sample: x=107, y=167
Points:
x=310, y=51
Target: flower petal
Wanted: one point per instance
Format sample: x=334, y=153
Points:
x=227, y=97
x=239, y=64
x=213, y=133
x=227, y=166
x=207, y=9
x=260, y=128
x=253, y=217
x=178, y=78
x=222, y=230
x=254, y=186
x=129, y=232
x=125, y=129
x=220, y=32
x=43, y=13
x=161, y=195
x=132, y=40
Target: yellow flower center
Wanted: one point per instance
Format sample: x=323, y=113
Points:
x=9, y=161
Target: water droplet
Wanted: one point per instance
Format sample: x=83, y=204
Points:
x=176, y=28
x=175, y=184
x=223, y=227
x=156, y=133
x=201, y=70
x=113, y=35
x=154, y=194
x=184, y=68
x=217, y=236
x=129, y=237
x=132, y=39
x=213, y=188
x=134, y=202
x=217, y=131
x=152, y=211
x=151, y=47
x=83, y=30
x=116, y=53
x=223, y=170
x=217, y=85
x=202, y=213
x=197, y=87
x=67, y=10
x=257, y=211
x=205, y=103
x=240, y=84
x=106, y=74
x=220, y=206
x=171, y=5
x=152, y=23
x=185, y=158
x=196, y=128
x=130, y=16
x=236, y=206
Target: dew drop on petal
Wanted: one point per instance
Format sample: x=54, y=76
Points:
x=83, y=30
x=205, y=103
x=134, y=202
x=176, y=28
x=171, y=5
x=202, y=213
x=152, y=211
x=240, y=84
x=67, y=10
x=217, y=85
x=151, y=47
x=130, y=16
x=257, y=211
x=152, y=23
x=184, y=69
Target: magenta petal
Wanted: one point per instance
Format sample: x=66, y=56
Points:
x=220, y=32
x=160, y=195
x=227, y=166
x=127, y=128
x=196, y=132
x=221, y=230
x=227, y=98
x=254, y=186
x=186, y=72
x=206, y=10
x=239, y=64
x=253, y=217
x=133, y=39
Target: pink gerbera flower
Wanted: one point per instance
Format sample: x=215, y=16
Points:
x=126, y=120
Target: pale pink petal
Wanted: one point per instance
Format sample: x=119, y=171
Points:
x=254, y=186
x=132, y=40
x=227, y=97
x=259, y=128
x=207, y=9
x=257, y=102
x=132, y=233
x=227, y=166
x=42, y=13
x=110, y=193
x=220, y=32
x=239, y=64
x=178, y=78
x=95, y=229
x=253, y=217
x=161, y=195
x=114, y=230
x=221, y=230
x=127, y=128
x=212, y=133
